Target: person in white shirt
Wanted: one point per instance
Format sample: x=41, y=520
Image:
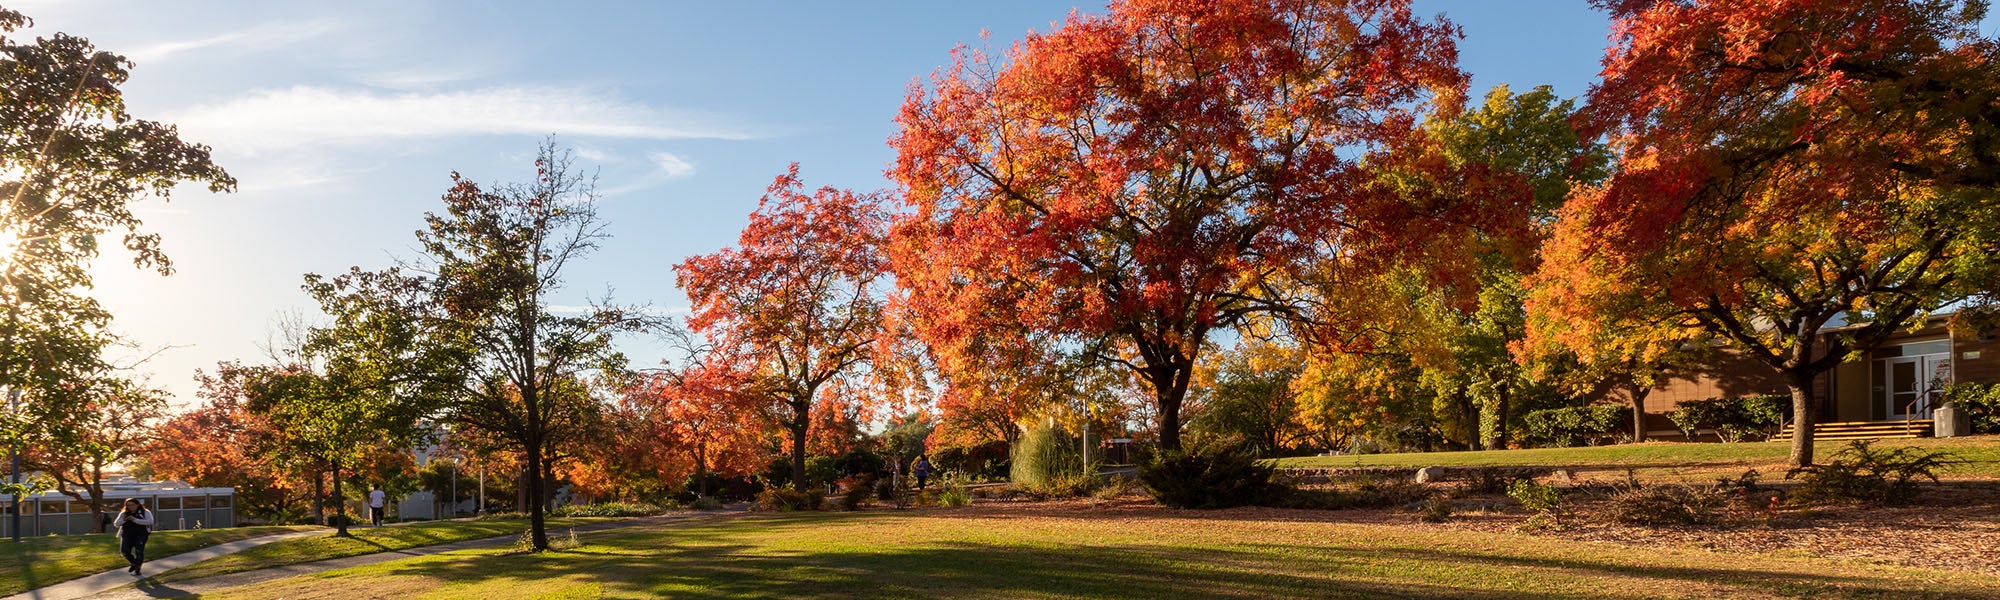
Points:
x=134, y=525
x=376, y=499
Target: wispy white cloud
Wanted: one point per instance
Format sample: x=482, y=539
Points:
x=304, y=116
x=666, y=166
x=263, y=36
x=670, y=165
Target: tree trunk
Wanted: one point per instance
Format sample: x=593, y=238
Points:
x=701, y=469
x=1170, y=390
x=1469, y=410
x=319, y=498
x=537, y=523
x=800, y=426
x=1498, y=441
x=1804, y=415
x=1639, y=393
x=340, y=503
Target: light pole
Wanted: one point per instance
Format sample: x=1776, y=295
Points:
x=14, y=407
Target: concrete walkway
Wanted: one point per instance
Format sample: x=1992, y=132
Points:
x=148, y=588
x=108, y=580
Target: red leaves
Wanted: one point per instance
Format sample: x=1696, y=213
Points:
x=1140, y=176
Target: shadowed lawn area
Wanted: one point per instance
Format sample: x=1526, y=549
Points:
x=1051, y=552
x=366, y=540
x=43, y=560
x=1980, y=453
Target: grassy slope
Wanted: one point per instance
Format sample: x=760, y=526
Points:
x=44, y=560
x=1980, y=453
x=365, y=540
x=978, y=553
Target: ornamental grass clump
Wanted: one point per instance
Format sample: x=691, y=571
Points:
x=1862, y=473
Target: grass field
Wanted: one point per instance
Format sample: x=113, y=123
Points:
x=1981, y=456
x=43, y=560
x=1047, y=552
x=365, y=540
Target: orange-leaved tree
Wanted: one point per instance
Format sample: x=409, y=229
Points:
x=1782, y=173
x=699, y=421
x=1133, y=183
x=797, y=303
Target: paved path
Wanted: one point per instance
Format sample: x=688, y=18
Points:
x=148, y=588
x=84, y=587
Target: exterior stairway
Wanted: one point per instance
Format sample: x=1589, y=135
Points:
x=1863, y=430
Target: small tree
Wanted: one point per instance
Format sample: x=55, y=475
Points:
x=796, y=305
x=478, y=336
x=86, y=426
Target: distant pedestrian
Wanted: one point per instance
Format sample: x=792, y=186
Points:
x=922, y=469
x=376, y=500
x=134, y=524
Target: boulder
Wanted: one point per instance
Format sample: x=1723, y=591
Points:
x=1430, y=474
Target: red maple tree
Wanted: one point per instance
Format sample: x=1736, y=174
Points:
x=796, y=305
x=1131, y=184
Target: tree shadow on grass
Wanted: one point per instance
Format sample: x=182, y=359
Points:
x=717, y=563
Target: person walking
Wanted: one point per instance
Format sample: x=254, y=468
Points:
x=922, y=469
x=376, y=500
x=134, y=524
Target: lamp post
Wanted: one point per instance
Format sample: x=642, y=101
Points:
x=14, y=407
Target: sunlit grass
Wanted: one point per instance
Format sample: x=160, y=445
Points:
x=364, y=540
x=44, y=560
x=1059, y=553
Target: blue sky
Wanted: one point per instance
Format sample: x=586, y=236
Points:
x=343, y=121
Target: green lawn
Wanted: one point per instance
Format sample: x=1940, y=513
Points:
x=43, y=560
x=1052, y=552
x=1980, y=453
x=365, y=540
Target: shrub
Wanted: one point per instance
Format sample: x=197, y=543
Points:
x=1978, y=400
x=1667, y=504
x=857, y=495
x=1435, y=510
x=788, y=499
x=1062, y=485
x=1733, y=419
x=1206, y=480
x=1862, y=473
x=1545, y=500
x=1565, y=427
x=608, y=509
x=706, y=503
x=952, y=495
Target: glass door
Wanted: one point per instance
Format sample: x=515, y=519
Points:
x=1912, y=385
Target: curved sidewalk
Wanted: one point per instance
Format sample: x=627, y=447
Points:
x=149, y=588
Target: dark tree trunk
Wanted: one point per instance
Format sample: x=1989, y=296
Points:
x=1639, y=393
x=319, y=498
x=1804, y=415
x=537, y=522
x=340, y=503
x=1498, y=441
x=1470, y=412
x=800, y=426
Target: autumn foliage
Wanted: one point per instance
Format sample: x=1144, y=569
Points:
x=796, y=306
x=1130, y=184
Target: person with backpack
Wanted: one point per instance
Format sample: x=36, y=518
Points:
x=134, y=524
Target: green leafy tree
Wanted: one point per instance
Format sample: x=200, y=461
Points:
x=477, y=331
x=87, y=425
x=73, y=161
